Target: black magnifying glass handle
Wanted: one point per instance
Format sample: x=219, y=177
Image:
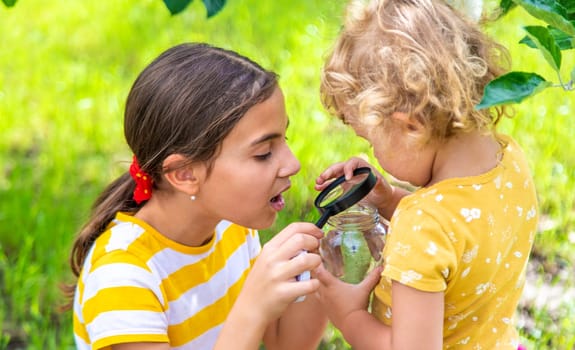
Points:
x=323, y=219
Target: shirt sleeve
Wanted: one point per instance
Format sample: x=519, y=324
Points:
x=418, y=252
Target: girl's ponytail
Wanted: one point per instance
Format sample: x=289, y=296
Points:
x=118, y=196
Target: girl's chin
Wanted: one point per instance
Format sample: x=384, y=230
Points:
x=263, y=222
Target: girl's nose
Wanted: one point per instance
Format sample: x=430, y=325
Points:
x=291, y=164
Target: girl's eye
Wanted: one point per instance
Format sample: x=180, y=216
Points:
x=263, y=156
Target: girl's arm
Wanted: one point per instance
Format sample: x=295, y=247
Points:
x=387, y=206
x=417, y=315
x=300, y=327
x=417, y=318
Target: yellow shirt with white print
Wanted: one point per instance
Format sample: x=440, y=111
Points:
x=469, y=238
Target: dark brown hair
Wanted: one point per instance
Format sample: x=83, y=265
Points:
x=186, y=102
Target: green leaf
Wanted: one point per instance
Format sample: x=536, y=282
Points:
x=564, y=41
x=512, y=87
x=506, y=6
x=546, y=45
x=213, y=6
x=569, y=7
x=549, y=11
x=573, y=76
x=9, y=3
x=176, y=6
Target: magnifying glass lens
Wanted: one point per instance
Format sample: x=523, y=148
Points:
x=340, y=191
x=332, y=196
x=342, y=194
x=353, y=184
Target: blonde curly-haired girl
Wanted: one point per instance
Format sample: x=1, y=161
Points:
x=406, y=75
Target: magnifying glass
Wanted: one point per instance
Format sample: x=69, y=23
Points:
x=338, y=196
x=342, y=194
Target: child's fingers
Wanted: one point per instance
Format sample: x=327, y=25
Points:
x=352, y=164
x=297, y=243
x=296, y=289
x=293, y=229
x=302, y=262
x=284, y=248
x=324, y=276
x=332, y=172
x=336, y=170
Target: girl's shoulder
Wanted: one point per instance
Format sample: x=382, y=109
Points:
x=512, y=153
x=120, y=243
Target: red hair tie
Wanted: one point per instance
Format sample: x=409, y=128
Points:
x=143, y=190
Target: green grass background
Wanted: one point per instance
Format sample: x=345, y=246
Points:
x=66, y=68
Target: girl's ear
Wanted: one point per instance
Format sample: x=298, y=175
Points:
x=407, y=123
x=183, y=176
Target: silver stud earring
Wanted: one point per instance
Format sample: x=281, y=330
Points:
x=193, y=198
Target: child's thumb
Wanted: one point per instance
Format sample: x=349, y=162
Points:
x=324, y=276
x=371, y=280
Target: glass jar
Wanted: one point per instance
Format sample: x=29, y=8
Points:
x=353, y=242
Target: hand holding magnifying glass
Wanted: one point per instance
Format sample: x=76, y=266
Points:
x=341, y=194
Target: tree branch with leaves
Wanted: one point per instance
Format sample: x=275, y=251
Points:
x=550, y=41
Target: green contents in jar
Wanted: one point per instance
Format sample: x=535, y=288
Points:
x=353, y=243
x=356, y=256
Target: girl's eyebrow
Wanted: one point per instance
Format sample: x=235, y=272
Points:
x=268, y=137
x=265, y=138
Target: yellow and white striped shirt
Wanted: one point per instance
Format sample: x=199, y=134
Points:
x=137, y=285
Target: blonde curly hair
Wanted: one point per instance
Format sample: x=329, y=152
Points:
x=419, y=57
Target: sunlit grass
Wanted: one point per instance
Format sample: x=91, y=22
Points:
x=66, y=68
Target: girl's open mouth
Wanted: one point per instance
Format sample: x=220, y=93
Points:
x=277, y=202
